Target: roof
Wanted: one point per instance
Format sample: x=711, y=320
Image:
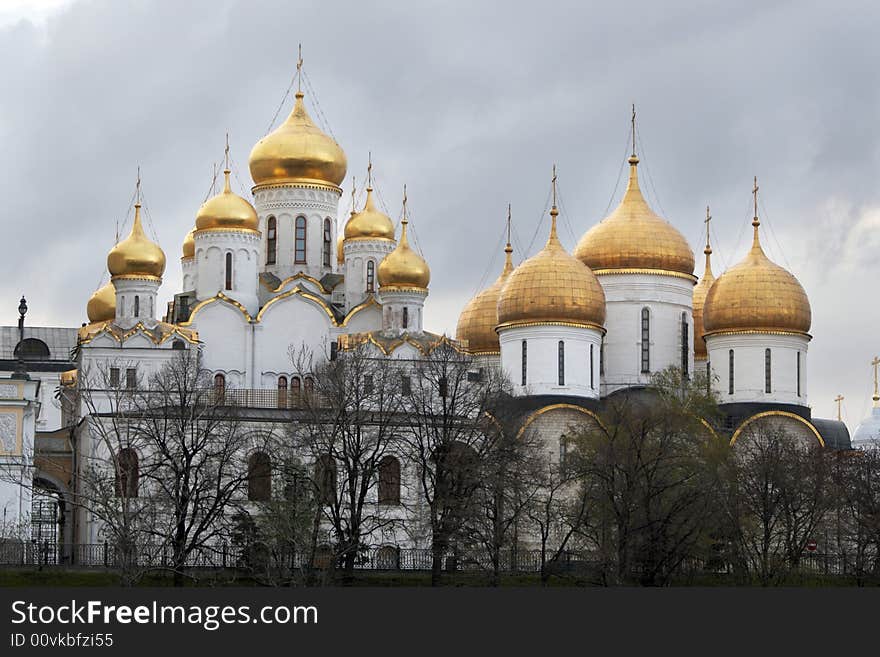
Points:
x=834, y=433
x=60, y=340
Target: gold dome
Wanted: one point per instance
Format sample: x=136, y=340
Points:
x=102, y=304
x=700, y=291
x=189, y=245
x=756, y=295
x=552, y=286
x=297, y=151
x=227, y=211
x=478, y=320
x=136, y=255
x=403, y=267
x=369, y=222
x=634, y=237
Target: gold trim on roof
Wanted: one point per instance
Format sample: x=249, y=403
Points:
x=369, y=302
x=635, y=270
x=538, y=413
x=217, y=297
x=305, y=294
x=551, y=322
x=296, y=277
x=788, y=414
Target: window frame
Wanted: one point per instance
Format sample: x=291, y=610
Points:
x=271, y=240
x=328, y=239
x=300, y=243
x=645, y=342
x=560, y=363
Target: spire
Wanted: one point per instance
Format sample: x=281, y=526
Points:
x=403, y=241
x=299, y=65
x=634, y=159
x=227, y=189
x=756, y=242
x=508, y=250
x=708, y=249
x=554, y=212
x=876, y=363
x=633, y=185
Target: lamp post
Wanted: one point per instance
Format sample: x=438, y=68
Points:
x=20, y=372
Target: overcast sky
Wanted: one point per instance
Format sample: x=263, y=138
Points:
x=469, y=104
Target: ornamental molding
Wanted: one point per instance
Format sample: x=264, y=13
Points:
x=9, y=391
x=9, y=432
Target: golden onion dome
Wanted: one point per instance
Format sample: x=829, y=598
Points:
x=369, y=222
x=403, y=267
x=297, y=151
x=102, y=304
x=189, y=245
x=552, y=286
x=634, y=237
x=756, y=295
x=477, y=322
x=137, y=255
x=227, y=211
x=700, y=291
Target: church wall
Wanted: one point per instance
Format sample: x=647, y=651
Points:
x=226, y=335
x=295, y=322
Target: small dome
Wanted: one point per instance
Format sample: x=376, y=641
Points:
x=189, y=245
x=102, y=304
x=297, y=151
x=478, y=320
x=700, y=291
x=136, y=255
x=868, y=431
x=226, y=211
x=552, y=286
x=756, y=295
x=634, y=237
x=403, y=267
x=369, y=222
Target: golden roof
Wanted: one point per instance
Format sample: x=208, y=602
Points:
x=136, y=255
x=369, y=222
x=756, y=295
x=297, y=151
x=227, y=211
x=477, y=322
x=189, y=244
x=700, y=291
x=552, y=286
x=403, y=267
x=102, y=304
x=634, y=237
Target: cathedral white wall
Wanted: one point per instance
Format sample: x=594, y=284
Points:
x=135, y=300
x=542, y=376
x=358, y=252
x=211, y=249
x=397, y=305
x=749, y=367
x=293, y=322
x=17, y=427
x=666, y=298
x=190, y=273
x=227, y=339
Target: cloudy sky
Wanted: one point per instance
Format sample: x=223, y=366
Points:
x=469, y=104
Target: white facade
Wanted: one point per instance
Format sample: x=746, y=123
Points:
x=362, y=258
x=559, y=359
x=228, y=261
x=135, y=299
x=18, y=413
x=782, y=379
x=402, y=310
x=668, y=301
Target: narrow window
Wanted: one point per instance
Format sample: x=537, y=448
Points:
x=767, y=369
x=295, y=388
x=228, y=271
x=371, y=276
x=646, y=340
x=798, y=374
x=368, y=384
x=560, y=366
x=299, y=255
x=406, y=385
x=137, y=306
x=131, y=378
x=271, y=240
x=730, y=374
x=525, y=356
x=389, y=481
x=309, y=385
x=259, y=481
x=219, y=388
x=708, y=379
x=592, y=378
x=282, y=392
x=684, y=346
x=127, y=473
x=602, y=357
x=405, y=317
x=327, y=239
x=325, y=478
x=114, y=377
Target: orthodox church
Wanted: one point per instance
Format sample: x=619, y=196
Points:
x=266, y=275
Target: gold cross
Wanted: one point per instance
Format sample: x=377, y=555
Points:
x=707, y=220
x=876, y=363
x=553, y=180
x=755, y=195
x=226, y=152
x=634, y=129
x=299, y=65
x=137, y=195
x=369, y=169
x=839, y=399
x=404, y=203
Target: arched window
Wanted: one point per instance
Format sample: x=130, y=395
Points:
x=388, y=558
x=592, y=378
x=327, y=242
x=228, y=283
x=31, y=349
x=560, y=366
x=259, y=480
x=127, y=473
x=309, y=386
x=646, y=340
x=768, y=388
x=708, y=378
x=602, y=357
x=282, y=392
x=271, y=240
x=389, y=480
x=325, y=478
x=730, y=373
x=684, y=346
x=295, y=388
x=371, y=276
x=219, y=387
x=178, y=345
x=299, y=251
x=137, y=306
x=525, y=363
x=798, y=374
x=405, y=317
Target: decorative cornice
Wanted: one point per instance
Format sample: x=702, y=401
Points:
x=385, y=289
x=525, y=323
x=297, y=184
x=250, y=232
x=654, y=272
x=136, y=277
x=757, y=331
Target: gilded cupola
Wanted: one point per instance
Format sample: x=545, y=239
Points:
x=552, y=287
x=634, y=237
x=102, y=304
x=136, y=256
x=370, y=222
x=189, y=245
x=403, y=267
x=227, y=211
x=756, y=295
x=477, y=322
x=298, y=152
x=700, y=291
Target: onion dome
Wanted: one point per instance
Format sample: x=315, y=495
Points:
x=552, y=286
x=297, y=151
x=227, y=211
x=136, y=256
x=189, y=245
x=403, y=267
x=868, y=431
x=477, y=322
x=634, y=237
x=369, y=222
x=102, y=304
x=700, y=291
x=756, y=295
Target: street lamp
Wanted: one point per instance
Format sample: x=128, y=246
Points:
x=20, y=372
